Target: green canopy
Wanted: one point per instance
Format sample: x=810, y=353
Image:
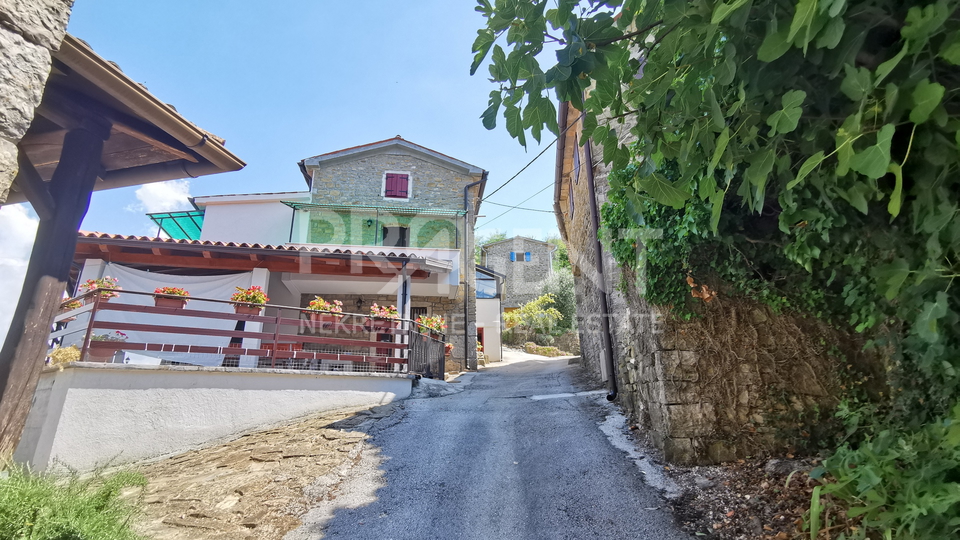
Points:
x=180, y=225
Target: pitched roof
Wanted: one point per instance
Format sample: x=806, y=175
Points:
x=524, y=238
x=167, y=242
x=315, y=161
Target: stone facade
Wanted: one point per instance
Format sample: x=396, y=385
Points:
x=433, y=216
x=524, y=279
x=360, y=181
x=740, y=380
x=29, y=31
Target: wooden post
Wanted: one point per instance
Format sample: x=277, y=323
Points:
x=25, y=347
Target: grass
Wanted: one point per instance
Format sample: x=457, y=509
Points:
x=66, y=507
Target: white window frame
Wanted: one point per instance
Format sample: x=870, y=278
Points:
x=383, y=186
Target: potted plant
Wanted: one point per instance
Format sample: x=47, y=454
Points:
x=107, y=286
x=434, y=324
x=70, y=305
x=249, y=301
x=172, y=297
x=382, y=317
x=447, y=349
x=323, y=311
x=104, y=354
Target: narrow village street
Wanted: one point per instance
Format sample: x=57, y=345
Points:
x=512, y=455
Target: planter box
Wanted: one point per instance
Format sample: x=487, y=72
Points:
x=93, y=298
x=381, y=324
x=247, y=309
x=164, y=301
x=325, y=317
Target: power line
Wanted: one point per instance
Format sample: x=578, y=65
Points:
x=570, y=125
x=521, y=202
x=518, y=208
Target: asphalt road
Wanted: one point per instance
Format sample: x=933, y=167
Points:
x=492, y=462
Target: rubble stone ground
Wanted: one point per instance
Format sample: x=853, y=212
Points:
x=257, y=486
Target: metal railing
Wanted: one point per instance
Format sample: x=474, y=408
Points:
x=130, y=329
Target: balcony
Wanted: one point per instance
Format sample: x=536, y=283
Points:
x=208, y=332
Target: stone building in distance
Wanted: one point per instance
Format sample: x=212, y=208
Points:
x=524, y=262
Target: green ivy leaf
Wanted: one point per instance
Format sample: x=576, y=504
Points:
x=873, y=161
x=806, y=168
x=926, y=323
x=663, y=191
x=926, y=98
x=786, y=119
x=723, y=10
x=857, y=84
x=891, y=277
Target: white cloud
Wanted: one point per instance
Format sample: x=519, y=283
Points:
x=18, y=228
x=162, y=197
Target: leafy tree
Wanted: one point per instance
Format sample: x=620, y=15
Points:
x=535, y=316
x=561, y=257
x=817, y=136
x=485, y=239
x=559, y=285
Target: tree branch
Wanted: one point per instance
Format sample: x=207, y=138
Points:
x=628, y=36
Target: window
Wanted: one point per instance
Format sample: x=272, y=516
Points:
x=516, y=256
x=570, y=196
x=417, y=312
x=396, y=185
x=395, y=237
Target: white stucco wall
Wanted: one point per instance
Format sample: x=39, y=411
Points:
x=488, y=318
x=261, y=222
x=90, y=414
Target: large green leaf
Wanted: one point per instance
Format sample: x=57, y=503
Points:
x=926, y=323
x=722, y=140
x=663, y=191
x=481, y=46
x=515, y=123
x=885, y=68
x=874, y=160
x=774, y=45
x=723, y=10
x=926, y=98
x=857, y=84
x=891, y=277
x=489, y=116
x=786, y=119
x=895, y=198
x=847, y=133
x=806, y=168
x=802, y=20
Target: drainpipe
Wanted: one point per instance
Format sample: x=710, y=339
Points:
x=604, y=309
x=466, y=283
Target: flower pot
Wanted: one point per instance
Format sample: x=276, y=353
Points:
x=165, y=301
x=247, y=309
x=93, y=298
x=381, y=324
x=325, y=317
x=434, y=335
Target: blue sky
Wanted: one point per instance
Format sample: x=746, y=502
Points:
x=281, y=81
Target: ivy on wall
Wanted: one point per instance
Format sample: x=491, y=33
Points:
x=807, y=152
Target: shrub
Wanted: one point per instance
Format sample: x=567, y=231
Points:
x=49, y=507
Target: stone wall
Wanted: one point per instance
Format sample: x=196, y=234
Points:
x=29, y=31
x=524, y=280
x=738, y=381
x=360, y=181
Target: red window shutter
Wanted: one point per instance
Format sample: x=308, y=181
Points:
x=402, y=181
x=390, y=187
x=395, y=186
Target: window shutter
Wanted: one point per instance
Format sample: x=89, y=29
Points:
x=401, y=185
x=526, y=256
x=513, y=257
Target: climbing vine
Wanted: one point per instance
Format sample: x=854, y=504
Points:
x=808, y=151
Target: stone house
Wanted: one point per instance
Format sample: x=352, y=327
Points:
x=524, y=262
x=390, y=222
x=700, y=402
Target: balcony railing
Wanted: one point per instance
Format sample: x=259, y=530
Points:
x=208, y=332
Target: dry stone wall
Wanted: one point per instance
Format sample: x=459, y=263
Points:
x=29, y=31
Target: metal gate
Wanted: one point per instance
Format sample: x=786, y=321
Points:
x=426, y=356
